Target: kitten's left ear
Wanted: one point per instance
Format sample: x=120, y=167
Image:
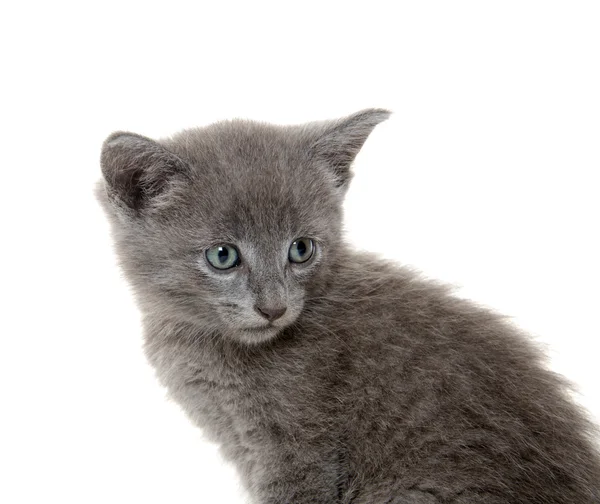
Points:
x=338, y=142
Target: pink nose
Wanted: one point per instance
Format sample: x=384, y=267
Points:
x=270, y=312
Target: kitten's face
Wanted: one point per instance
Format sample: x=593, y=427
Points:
x=231, y=227
x=261, y=225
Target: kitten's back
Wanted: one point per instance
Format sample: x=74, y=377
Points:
x=455, y=393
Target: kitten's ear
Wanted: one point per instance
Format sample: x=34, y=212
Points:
x=338, y=142
x=138, y=170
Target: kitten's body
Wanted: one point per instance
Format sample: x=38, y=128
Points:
x=377, y=387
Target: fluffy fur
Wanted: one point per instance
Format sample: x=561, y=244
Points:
x=375, y=386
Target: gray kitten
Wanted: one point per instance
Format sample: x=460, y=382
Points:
x=327, y=375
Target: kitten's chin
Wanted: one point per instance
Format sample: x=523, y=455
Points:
x=255, y=335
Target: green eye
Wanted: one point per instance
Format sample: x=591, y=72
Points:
x=301, y=250
x=223, y=257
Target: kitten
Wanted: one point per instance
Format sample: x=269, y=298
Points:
x=326, y=375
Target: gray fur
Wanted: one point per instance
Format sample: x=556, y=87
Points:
x=375, y=386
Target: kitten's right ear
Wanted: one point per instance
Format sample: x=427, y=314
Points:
x=336, y=143
x=138, y=170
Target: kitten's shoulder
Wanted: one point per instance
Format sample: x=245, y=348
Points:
x=387, y=302
x=373, y=283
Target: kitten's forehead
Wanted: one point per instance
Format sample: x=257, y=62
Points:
x=243, y=151
x=251, y=178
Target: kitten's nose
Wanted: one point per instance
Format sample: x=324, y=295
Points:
x=270, y=312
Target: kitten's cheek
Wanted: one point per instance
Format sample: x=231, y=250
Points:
x=294, y=310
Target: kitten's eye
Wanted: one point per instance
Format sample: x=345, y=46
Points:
x=223, y=257
x=301, y=250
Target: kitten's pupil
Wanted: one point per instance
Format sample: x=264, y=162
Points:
x=301, y=248
x=223, y=255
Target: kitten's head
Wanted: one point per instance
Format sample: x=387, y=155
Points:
x=232, y=226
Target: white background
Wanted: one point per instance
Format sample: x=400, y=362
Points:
x=485, y=176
